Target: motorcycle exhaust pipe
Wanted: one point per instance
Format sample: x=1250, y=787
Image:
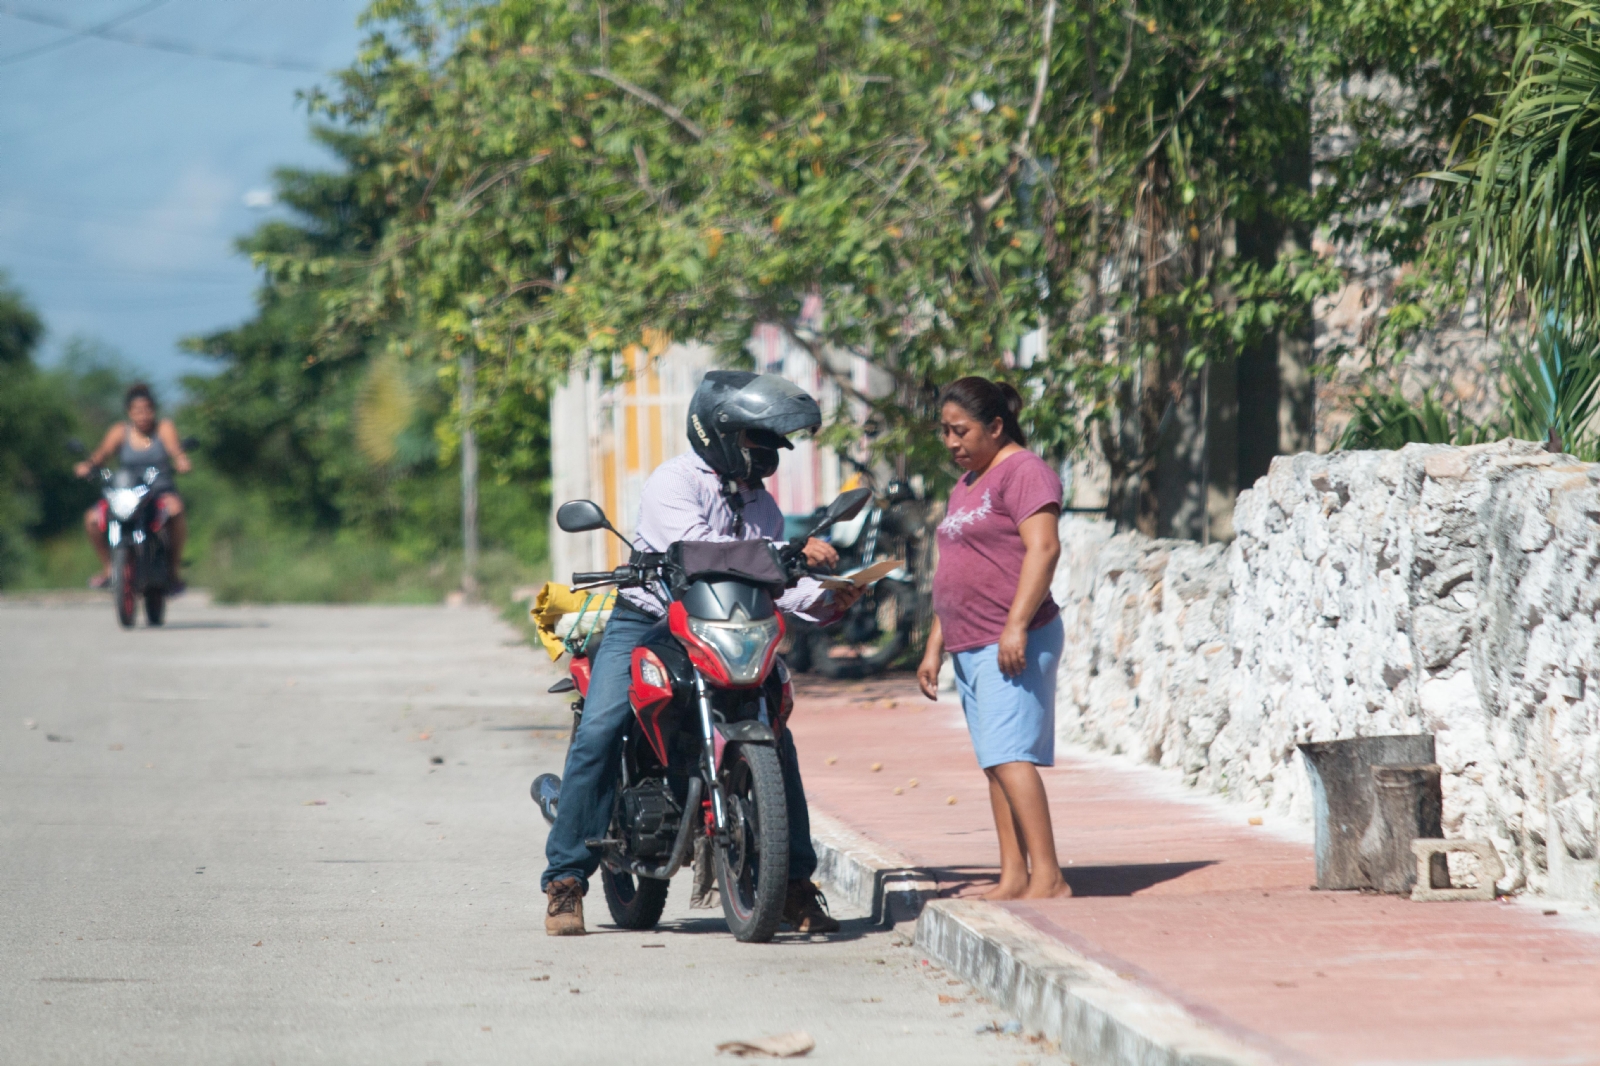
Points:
x=546, y=790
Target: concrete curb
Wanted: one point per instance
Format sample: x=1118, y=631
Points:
x=1097, y=1017
x=876, y=879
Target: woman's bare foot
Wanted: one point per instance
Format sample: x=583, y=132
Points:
x=1003, y=891
x=1055, y=889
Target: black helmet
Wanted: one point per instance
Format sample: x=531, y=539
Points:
x=766, y=407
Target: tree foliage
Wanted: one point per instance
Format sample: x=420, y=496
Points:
x=919, y=183
x=350, y=428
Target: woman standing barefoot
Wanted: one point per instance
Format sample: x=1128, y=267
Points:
x=998, y=547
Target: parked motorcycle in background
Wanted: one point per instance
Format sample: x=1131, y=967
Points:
x=891, y=617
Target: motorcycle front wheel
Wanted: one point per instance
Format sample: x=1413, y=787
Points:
x=155, y=606
x=753, y=869
x=123, y=592
x=634, y=902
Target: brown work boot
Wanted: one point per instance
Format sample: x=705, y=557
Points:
x=806, y=909
x=564, y=917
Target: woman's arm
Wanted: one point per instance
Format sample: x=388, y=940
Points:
x=169, y=439
x=108, y=444
x=932, y=660
x=1042, y=540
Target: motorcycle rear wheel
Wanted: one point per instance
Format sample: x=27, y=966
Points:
x=634, y=902
x=753, y=869
x=123, y=592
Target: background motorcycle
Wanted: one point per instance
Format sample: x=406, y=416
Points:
x=891, y=616
x=140, y=548
x=710, y=702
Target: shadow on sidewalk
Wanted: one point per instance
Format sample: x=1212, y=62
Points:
x=1120, y=880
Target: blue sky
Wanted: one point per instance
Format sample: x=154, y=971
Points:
x=126, y=171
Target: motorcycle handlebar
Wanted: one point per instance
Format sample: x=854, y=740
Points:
x=594, y=577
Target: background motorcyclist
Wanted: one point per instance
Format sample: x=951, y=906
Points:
x=738, y=422
x=142, y=441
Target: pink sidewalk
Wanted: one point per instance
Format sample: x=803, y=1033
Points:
x=1210, y=912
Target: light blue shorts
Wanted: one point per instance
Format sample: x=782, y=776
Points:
x=1012, y=719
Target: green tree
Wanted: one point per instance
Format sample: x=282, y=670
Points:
x=37, y=420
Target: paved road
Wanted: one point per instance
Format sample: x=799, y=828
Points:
x=302, y=835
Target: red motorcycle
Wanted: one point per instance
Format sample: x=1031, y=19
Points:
x=710, y=700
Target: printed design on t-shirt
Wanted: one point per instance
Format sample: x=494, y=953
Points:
x=955, y=524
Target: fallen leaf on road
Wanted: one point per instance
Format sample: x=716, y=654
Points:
x=830, y=760
x=951, y=800
x=56, y=739
x=314, y=803
x=437, y=760
x=948, y=999
x=541, y=977
x=782, y=1046
x=899, y=791
x=424, y=736
x=913, y=783
x=875, y=766
x=256, y=944
x=1255, y=819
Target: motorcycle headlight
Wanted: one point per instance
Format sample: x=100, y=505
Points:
x=123, y=502
x=740, y=643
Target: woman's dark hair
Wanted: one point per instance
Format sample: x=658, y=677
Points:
x=986, y=401
x=137, y=391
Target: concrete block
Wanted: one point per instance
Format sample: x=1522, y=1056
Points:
x=1490, y=870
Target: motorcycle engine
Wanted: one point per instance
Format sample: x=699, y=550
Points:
x=650, y=814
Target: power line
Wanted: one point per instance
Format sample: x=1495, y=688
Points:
x=159, y=44
x=78, y=35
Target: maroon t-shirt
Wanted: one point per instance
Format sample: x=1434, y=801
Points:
x=981, y=550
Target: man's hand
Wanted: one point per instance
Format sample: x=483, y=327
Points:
x=820, y=553
x=844, y=599
x=1013, y=651
x=928, y=675
x=82, y=469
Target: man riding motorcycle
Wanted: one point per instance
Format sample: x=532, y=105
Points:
x=737, y=423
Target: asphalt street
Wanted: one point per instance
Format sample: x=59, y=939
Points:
x=303, y=835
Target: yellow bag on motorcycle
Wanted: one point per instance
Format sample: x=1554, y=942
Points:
x=567, y=620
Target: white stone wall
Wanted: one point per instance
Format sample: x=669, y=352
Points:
x=1445, y=590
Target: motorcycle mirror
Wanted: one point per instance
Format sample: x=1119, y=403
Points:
x=846, y=506
x=582, y=516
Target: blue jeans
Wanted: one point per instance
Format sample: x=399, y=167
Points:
x=589, y=782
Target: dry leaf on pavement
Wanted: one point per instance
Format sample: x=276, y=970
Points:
x=782, y=1046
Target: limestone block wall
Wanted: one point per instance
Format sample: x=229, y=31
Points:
x=1445, y=590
